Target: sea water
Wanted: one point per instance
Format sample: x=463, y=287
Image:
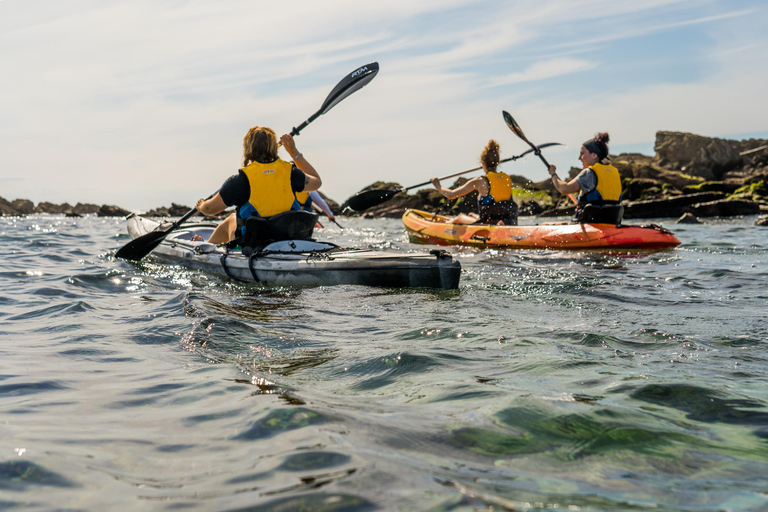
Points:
x=550, y=380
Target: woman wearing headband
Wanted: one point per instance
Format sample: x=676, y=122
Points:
x=599, y=182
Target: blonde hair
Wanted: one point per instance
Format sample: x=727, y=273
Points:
x=490, y=156
x=259, y=145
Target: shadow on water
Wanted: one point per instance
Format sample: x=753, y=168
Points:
x=389, y=369
x=280, y=421
x=703, y=405
x=22, y=475
x=316, y=502
x=569, y=436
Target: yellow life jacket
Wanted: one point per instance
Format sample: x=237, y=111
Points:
x=271, y=191
x=608, y=189
x=500, y=186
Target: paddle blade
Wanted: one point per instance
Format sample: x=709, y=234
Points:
x=513, y=125
x=139, y=247
x=352, y=82
x=370, y=198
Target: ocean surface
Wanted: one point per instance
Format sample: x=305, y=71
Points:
x=548, y=381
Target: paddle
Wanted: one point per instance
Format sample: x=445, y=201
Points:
x=139, y=247
x=352, y=82
x=519, y=132
x=370, y=198
x=143, y=245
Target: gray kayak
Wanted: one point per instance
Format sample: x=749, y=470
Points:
x=301, y=262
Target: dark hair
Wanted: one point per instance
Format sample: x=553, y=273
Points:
x=490, y=156
x=598, y=145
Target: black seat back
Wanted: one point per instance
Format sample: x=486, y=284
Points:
x=290, y=225
x=607, y=214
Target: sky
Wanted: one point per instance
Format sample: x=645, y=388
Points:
x=144, y=103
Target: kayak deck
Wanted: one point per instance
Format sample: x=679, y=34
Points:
x=425, y=227
x=302, y=262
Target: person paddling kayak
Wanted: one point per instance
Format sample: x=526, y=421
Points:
x=494, y=203
x=265, y=186
x=599, y=182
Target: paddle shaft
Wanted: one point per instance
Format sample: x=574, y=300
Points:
x=512, y=124
x=303, y=125
x=510, y=159
x=456, y=174
x=187, y=215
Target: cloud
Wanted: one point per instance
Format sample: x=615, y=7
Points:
x=544, y=70
x=141, y=103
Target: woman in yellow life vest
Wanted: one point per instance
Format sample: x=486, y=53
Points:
x=265, y=186
x=495, y=204
x=599, y=183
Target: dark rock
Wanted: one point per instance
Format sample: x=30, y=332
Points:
x=7, y=209
x=755, y=178
x=112, y=211
x=671, y=207
x=429, y=199
x=705, y=157
x=636, y=166
x=755, y=191
x=85, y=208
x=23, y=206
x=177, y=210
x=333, y=205
x=725, y=208
x=530, y=208
x=754, y=153
x=762, y=221
x=638, y=189
x=46, y=207
x=72, y=214
x=728, y=187
x=157, y=212
x=688, y=218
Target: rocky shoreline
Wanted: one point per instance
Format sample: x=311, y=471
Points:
x=689, y=177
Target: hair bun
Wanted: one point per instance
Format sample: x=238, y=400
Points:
x=602, y=137
x=490, y=156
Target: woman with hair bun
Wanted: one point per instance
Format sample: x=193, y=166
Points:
x=495, y=204
x=599, y=182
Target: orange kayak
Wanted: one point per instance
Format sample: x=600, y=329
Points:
x=424, y=227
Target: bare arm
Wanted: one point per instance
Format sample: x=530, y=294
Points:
x=318, y=201
x=478, y=184
x=564, y=187
x=312, y=181
x=211, y=206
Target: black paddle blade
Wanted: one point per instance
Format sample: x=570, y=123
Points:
x=352, y=82
x=370, y=198
x=513, y=125
x=540, y=147
x=137, y=248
